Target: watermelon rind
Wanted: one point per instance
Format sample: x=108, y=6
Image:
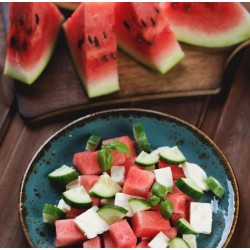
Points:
x=29, y=76
x=164, y=65
x=224, y=39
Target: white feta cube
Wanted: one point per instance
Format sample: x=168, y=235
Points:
x=159, y=241
x=196, y=174
x=201, y=217
x=122, y=199
x=64, y=206
x=118, y=174
x=91, y=224
x=164, y=176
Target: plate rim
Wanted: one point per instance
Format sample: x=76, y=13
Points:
x=144, y=111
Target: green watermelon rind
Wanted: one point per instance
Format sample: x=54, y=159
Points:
x=226, y=39
x=164, y=66
x=29, y=76
x=103, y=87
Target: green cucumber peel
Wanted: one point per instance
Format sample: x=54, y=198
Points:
x=93, y=142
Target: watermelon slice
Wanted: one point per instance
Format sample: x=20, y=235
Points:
x=143, y=244
x=32, y=36
x=67, y=5
x=143, y=32
x=208, y=24
x=92, y=44
x=107, y=240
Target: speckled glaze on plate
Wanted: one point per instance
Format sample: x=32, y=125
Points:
x=161, y=130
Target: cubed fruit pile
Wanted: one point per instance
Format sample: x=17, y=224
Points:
x=124, y=200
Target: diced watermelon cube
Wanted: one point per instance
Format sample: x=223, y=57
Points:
x=93, y=243
x=119, y=158
x=138, y=182
x=122, y=235
x=86, y=162
x=74, y=212
x=172, y=233
x=129, y=163
x=88, y=181
x=107, y=240
x=149, y=224
x=177, y=172
x=178, y=201
x=67, y=233
x=143, y=244
x=177, y=190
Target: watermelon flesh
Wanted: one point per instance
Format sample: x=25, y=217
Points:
x=93, y=243
x=208, y=24
x=149, y=224
x=122, y=235
x=33, y=31
x=143, y=32
x=67, y=233
x=92, y=44
x=107, y=240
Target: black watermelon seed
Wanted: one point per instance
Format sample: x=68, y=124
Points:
x=126, y=25
x=29, y=30
x=37, y=18
x=97, y=44
x=113, y=55
x=80, y=43
x=21, y=22
x=187, y=7
x=104, y=34
x=104, y=58
x=152, y=21
x=157, y=10
x=173, y=5
x=24, y=45
x=149, y=43
x=139, y=39
x=143, y=23
x=13, y=41
x=90, y=39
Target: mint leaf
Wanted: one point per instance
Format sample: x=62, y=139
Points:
x=117, y=146
x=105, y=159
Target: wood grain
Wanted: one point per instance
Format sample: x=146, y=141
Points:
x=7, y=96
x=58, y=90
x=231, y=121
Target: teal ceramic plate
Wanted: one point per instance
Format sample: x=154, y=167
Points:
x=161, y=130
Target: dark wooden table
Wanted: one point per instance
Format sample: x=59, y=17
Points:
x=224, y=117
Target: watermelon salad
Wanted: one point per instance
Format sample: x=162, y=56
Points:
x=148, y=32
x=121, y=194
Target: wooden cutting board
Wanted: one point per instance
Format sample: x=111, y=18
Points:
x=59, y=91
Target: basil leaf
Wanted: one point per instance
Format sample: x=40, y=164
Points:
x=117, y=146
x=166, y=208
x=105, y=159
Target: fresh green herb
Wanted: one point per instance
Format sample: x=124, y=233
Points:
x=166, y=208
x=154, y=200
x=160, y=190
x=105, y=156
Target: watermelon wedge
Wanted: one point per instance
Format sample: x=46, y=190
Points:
x=208, y=24
x=143, y=32
x=32, y=36
x=67, y=5
x=92, y=44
